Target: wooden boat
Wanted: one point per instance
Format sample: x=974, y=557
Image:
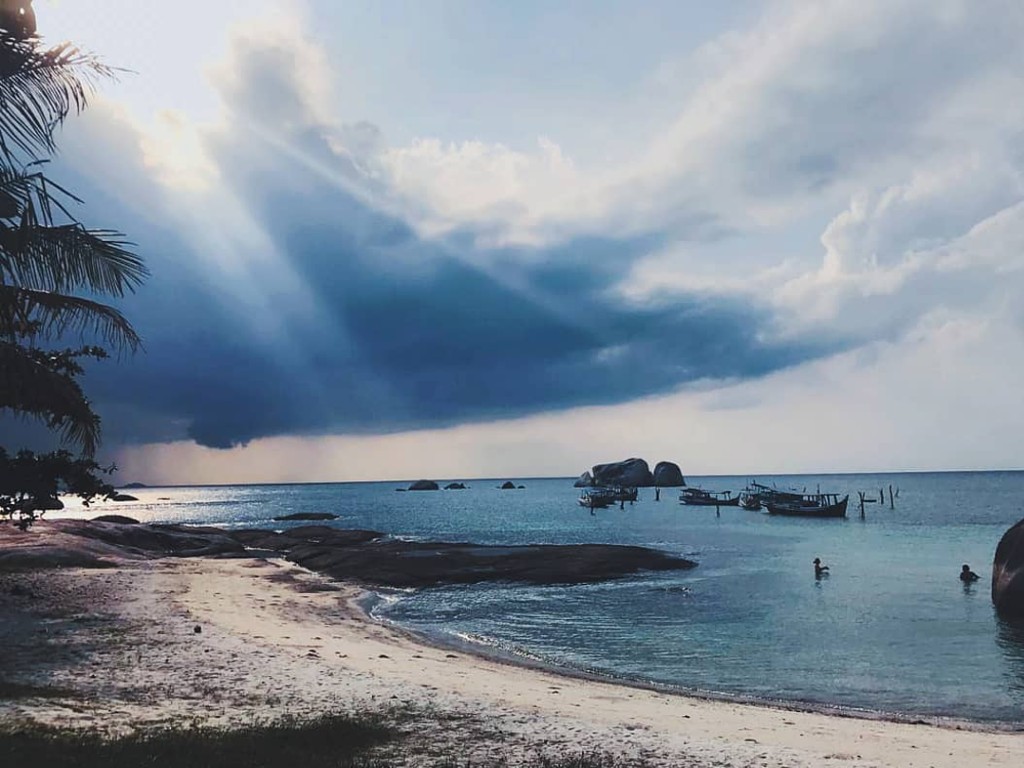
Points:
x=751, y=501
x=765, y=493
x=698, y=497
x=598, y=498
x=811, y=505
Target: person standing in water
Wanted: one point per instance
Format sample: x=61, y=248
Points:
x=819, y=569
x=967, y=575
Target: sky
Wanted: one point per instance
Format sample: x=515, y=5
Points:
x=490, y=239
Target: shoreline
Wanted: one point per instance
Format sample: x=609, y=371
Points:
x=277, y=640
x=502, y=656
x=499, y=655
x=229, y=640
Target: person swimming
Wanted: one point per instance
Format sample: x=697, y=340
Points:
x=819, y=569
x=967, y=575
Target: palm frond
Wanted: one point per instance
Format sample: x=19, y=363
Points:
x=39, y=88
x=29, y=388
x=69, y=258
x=51, y=314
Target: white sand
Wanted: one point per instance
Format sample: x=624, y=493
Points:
x=275, y=638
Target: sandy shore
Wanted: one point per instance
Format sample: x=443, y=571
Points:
x=119, y=648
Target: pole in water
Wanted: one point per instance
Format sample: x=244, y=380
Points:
x=892, y=505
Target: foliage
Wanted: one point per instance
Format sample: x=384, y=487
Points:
x=29, y=483
x=53, y=269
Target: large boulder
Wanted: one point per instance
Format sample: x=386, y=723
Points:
x=668, y=475
x=586, y=480
x=1008, y=574
x=508, y=485
x=632, y=472
x=424, y=485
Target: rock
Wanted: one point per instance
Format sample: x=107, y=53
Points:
x=455, y=487
x=424, y=485
x=1008, y=574
x=48, y=503
x=668, y=475
x=520, y=487
x=633, y=473
x=197, y=629
x=123, y=497
x=118, y=519
x=508, y=485
x=134, y=485
x=307, y=516
x=586, y=480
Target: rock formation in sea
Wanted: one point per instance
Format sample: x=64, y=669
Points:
x=307, y=516
x=668, y=475
x=632, y=472
x=424, y=485
x=508, y=485
x=123, y=497
x=1008, y=574
x=586, y=480
x=368, y=557
x=116, y=519
x=455, y=487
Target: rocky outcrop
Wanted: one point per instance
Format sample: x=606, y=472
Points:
x=424, y=485
x=1008, y=574
x=586, y=480
x=508, y=485
x=47, y=503
x=116, y=519
x=422, y=564
x=306, y=516
x=455, y=487
x=367, y=557
x=123, y=497
x=631, y=472
x=668, y=475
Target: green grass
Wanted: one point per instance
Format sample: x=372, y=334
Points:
x=331, y=741
x=367, y=741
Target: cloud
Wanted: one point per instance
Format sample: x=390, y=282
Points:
x=311, y=279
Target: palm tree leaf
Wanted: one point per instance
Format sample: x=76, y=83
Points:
x=69, y=258
x=29, y=388
x=38, y=88
x=51, y=314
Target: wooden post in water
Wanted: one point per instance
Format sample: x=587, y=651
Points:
x=881, y=495
x=892, y=504
x=861, y=494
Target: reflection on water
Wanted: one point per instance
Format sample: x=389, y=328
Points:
x=1010, y=638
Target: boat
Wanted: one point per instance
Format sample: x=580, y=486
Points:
x=765, y=493
x=810, y=505
x=751, y=501
x=698, y=497
x=599, y=498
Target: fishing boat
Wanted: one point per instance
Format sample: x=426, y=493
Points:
x=598, y=498
x=751, y=501
x=698, y=497
x=810, y=505
x=765, y=493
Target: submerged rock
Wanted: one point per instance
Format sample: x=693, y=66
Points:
x=306, y=516
x=455, y=487
x=508, y=485
x=117, y=519
x=123, y=497
x=668, y=475
x=1008, y=574
x=424, y=485
x=633, y=473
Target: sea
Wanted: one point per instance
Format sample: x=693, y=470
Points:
x=891, y=630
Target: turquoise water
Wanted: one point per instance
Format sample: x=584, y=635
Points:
x=891, y=629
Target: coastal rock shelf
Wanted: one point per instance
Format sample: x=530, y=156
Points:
x=367, y=557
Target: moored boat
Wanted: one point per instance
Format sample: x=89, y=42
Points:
x=811, y=505
x=698, y=497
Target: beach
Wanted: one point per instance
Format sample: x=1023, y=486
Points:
x=230, y=641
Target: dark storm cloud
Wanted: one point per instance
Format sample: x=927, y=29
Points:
x=392, y=330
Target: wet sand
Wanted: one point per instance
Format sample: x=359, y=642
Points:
x=118, y=648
